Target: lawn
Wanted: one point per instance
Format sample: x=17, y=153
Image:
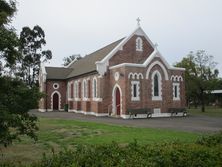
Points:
x=56, y=134
x=210, y=111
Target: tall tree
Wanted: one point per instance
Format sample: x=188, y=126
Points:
x=16, y=98
x=8, y=39
x=200, y=76
x=72, y=58
x=31, y=43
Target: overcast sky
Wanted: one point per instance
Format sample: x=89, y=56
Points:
x=83, y=26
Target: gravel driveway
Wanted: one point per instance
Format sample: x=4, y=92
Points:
x=192, y=123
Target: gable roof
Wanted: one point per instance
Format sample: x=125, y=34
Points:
x=82, y=66
x=87, y=63
x=57, y=72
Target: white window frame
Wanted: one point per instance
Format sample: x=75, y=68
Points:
x=137, y=83
x=139, y=44
x=69, y=90
x=94, y=88
x=76, y=90
x=178, y=91
x=85, y=90
x=159, y=86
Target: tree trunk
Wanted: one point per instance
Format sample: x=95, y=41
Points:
x=202, y=101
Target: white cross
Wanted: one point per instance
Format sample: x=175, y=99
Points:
x=138, y=21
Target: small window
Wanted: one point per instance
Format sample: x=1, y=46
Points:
x=139, y=44
x=84, y=89
x=176, y=91
x=76, y=91
x=55, y=85
x=135, y=90
x=94, y=88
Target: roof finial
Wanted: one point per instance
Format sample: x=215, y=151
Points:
x=138, y=21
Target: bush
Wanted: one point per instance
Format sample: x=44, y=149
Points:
x=167, y=154
x=173, y=154
x=211, y=140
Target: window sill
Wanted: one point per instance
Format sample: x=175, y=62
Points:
x=158, y=98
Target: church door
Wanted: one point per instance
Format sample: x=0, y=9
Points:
x=117, y=101
x=55, y=101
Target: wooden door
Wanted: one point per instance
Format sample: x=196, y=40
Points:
x=117, y=101
x=55, y=101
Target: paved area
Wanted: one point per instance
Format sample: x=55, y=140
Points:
x=191, y=123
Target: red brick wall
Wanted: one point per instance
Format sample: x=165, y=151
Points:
x=129, y=54
x=61, y=90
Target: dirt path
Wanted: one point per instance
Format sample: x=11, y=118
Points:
x=190, y=123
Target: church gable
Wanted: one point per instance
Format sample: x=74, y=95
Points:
x=136, y=50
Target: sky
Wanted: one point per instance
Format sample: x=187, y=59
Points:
x=83, y=26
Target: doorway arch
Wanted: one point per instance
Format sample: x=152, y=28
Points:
x=117, y=100
x=55, y=101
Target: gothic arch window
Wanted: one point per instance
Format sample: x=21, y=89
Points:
x=94, y=88
x=156, y=86
x=139, y=44
x=84, y=89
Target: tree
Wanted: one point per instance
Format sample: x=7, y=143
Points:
x=31, y=43
x=15, y=101
x=200, y=76
x=8, y=38
x=16, y=98
x=72, y=58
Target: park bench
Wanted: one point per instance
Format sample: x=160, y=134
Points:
x=147, y=111
x=175, y=111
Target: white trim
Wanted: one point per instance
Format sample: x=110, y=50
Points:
x=104, y=63
x=159, y=97
x=55, y=85
x=154, y=54
x=176, y=78
x=58, y=101
x=137, y=83
x=41, y=110
x=162, y=67
x=135, y=75
x=114, y=99
x=89, y=113
x=97, y=99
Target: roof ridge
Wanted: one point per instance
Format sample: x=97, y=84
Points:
x=87, y=55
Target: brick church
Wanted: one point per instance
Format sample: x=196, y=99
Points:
x=126, y=75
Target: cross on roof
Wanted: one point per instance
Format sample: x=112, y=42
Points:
x=138, y=21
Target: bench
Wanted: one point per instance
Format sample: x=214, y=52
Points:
x=147, y=111
x=175, y=111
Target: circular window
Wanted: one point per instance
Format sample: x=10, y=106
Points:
x=55, y=85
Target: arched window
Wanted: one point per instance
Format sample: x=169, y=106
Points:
x=139, y=44
x=76, y=90
x=84, y=89
x=156, y=86
x=94, y=88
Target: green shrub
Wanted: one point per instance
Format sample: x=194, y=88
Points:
x=211, y=140
x=200, y=154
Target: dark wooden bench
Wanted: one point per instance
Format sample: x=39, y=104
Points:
x=175, y=111
x=147, y=111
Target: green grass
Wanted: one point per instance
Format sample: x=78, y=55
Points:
x=210, y=111
x=56, y=134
